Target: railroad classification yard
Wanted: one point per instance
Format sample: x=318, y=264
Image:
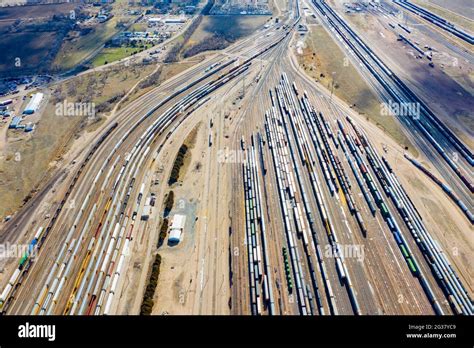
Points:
x=244, y=185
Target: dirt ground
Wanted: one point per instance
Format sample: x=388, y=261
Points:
x=188, y=270
x=445, y=88
x=217, y=32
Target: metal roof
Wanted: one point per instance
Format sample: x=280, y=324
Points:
x=34, y=103
x=178, y=221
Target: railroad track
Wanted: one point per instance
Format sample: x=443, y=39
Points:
x=427, y=123
x=47, y=297
x=436, y=20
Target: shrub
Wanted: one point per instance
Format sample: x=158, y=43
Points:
x=169, y=203
x=147, y=303
x=163, y=232
x=178, y=163
x=150, y=80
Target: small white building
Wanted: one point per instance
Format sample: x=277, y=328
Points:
x=177, y=227
x=155, y=20
x=178, y=20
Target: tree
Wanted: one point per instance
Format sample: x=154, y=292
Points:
x=169, y=203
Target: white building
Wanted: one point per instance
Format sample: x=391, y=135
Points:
x=179, y=20
x=154, y=20
x=177, y=228
x=34, y=103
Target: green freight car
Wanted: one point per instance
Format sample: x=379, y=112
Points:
x=23, y=261
x=384, y=209
x=412, y=266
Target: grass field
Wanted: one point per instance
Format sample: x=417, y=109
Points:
x=100, y=87
x=323, y=60
x=21, y=173
x=167, y=71
x=230, y=28
x=138, y=26
x=233, y=27
x=111, y=54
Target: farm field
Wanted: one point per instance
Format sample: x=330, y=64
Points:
x=111, y=54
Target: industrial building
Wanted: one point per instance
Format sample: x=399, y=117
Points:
x=34, y=104
x=176, y=229
x=174, y=20
x=15, y=122
x=154, y=20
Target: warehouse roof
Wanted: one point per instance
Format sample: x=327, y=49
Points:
x=34, y=103
x=176, y=228
x=178, y=221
